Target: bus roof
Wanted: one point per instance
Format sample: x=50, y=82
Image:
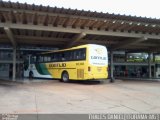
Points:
x=76, y=47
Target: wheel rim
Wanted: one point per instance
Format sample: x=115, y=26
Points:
x=65, y=77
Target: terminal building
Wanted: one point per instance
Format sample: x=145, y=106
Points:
x=27, y=29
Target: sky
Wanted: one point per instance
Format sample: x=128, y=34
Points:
x=143, y=8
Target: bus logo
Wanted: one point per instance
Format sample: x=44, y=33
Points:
x=99, y=51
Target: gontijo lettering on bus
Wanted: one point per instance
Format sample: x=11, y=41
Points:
x=57, y=65
x=98, y=57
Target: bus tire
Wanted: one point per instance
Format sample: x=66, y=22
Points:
x=65, y=77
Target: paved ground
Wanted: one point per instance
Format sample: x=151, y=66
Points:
x=57, y=97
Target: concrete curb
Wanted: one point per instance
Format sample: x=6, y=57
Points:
x=139, y=79
x=22, y=81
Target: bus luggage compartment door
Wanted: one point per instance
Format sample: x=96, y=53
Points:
x=80, y=73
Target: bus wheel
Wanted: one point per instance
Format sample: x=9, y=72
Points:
x=65, y=77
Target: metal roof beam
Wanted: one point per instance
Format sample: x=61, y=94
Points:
x=66, y=15
x=128, y=43
x=155, y=49
x=46, y=42
x=77, y=38
x=97, y=42
x=66, y=22
x=54, y=39
x=56, y=21
x=138, y=51
x=24, y=37
x=78, y=30
x=147, y=44
x=76, y=22
x=41, y=43
x=10, y=36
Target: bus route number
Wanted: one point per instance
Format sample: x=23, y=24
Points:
x=79, y=63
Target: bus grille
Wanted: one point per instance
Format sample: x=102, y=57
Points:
x=80, y=73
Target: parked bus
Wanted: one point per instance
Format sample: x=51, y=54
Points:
x=85, y=62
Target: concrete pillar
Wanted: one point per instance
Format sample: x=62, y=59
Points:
x=149, y=65
x=111, y=66
x=154, y=60
x=29, y=62
x=125, y=57
x=155, y=70
x=14, y=64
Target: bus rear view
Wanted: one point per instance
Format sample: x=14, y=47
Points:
x=97, y=62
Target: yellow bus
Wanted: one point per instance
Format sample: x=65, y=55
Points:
x=84, y=62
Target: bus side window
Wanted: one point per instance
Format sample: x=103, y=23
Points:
x=83, y=54
x=45, y=58
x=49, y=58
x=33, y=59
x=77, y=54
x=37, y=59
x=80, y=54
x=59, y=56
x=63, y=56
x=70, y=55
x=66, y=55
x=40, y=58
x=53, y=57
x=74, y=55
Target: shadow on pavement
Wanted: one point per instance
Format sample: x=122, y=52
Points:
x=7, y=83
x=86, y=82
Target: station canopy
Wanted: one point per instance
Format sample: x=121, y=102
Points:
x=26, y=24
